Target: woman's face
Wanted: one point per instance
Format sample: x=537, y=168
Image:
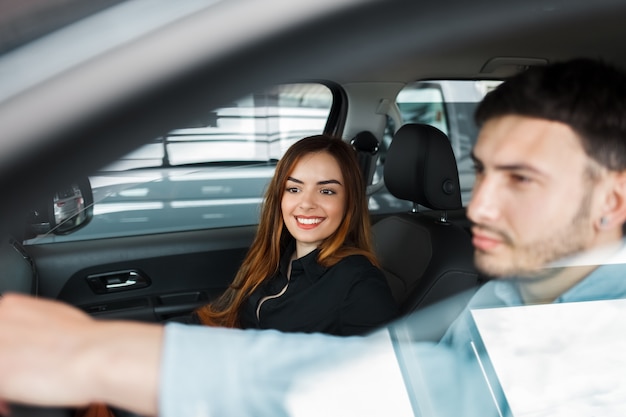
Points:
x=314, y=200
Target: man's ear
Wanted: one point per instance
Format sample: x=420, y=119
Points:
x=614, y=212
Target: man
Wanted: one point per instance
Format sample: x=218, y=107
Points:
x=551, y=185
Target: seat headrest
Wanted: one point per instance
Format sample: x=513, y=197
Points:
x=420, y=167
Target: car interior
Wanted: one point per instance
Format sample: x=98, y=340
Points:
x=426, y=256
x=94, y=103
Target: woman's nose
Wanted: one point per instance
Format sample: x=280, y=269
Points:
x=307, y=199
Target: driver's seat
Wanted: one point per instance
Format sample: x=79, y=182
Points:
x=425, y=256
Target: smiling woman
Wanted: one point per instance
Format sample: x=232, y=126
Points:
x=311, y=267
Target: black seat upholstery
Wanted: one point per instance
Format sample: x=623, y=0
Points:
x=365, y=145
x=424, y=255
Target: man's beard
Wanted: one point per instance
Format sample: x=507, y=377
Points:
x=528, y=260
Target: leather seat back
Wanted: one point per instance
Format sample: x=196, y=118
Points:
x=425, y=256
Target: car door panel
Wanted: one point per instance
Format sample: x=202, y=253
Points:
x=150, y=278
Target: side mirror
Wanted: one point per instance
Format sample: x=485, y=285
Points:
x=69, y=209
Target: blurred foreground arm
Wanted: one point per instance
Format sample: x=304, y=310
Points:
x=52, y=354
x=55, y=355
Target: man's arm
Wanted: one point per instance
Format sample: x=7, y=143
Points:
x=54, y=355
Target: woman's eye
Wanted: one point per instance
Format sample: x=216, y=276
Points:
x=292, y=189
x=328, y=191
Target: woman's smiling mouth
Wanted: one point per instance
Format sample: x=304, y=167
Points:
x=309, y=222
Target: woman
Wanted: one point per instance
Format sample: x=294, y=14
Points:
x=311, y=267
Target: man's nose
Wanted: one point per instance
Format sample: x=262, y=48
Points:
x=484, y=204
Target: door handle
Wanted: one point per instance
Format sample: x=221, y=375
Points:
x=117, y=281
x=127, y=283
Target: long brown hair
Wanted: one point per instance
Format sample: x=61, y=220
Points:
x=263, y=258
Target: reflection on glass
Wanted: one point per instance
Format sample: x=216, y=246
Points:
x=69, y=208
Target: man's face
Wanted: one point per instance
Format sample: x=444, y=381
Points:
x=532, y=198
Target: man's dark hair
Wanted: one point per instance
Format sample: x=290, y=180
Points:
x=587, y=95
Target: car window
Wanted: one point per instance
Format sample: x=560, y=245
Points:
x=257, y=128
x=448, y=105
x=213, y=171
x=210, y=173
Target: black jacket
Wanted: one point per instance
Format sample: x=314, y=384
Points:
x=349, y=298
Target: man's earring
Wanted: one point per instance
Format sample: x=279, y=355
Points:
x=603, y=221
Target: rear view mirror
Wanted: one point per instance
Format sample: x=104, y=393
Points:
x=69, y=209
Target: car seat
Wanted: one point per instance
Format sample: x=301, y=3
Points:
x=366, y=147
x=425, y=256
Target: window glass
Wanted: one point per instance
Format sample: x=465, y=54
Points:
x=256, y=128
x=448, y=105
x=423, y=103
x=210, y=173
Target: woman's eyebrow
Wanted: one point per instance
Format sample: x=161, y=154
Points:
x=329, y=182
x=318, y=183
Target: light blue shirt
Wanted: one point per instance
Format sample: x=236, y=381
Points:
x=604, y=283
x=228, y=372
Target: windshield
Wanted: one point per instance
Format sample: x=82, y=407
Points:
x=75, y=35
x=24, y=21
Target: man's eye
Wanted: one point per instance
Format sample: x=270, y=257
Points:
x=520, y=178
x=478, y=169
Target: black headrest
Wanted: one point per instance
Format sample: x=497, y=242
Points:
x=365, y=141
x=420, y=167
